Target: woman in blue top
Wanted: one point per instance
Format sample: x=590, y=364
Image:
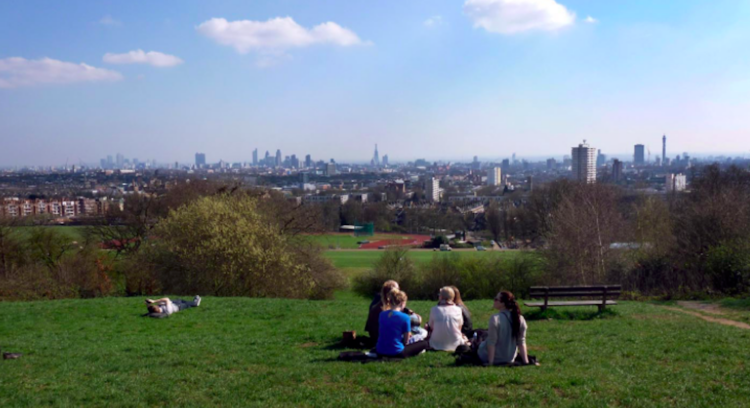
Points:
x=395, y=329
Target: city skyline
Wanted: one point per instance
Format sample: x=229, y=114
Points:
x=440, y=80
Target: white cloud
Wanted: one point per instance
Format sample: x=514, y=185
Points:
x=433, y=21
x=515, y=16
x=591, y=20
x=275, y=34
x=109, y=21
x=153, y=58
x=18, y=72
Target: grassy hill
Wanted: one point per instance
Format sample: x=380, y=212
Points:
x=274, y=352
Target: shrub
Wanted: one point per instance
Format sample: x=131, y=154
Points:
x=476, y=278
x=393, y=264
x=223, y=246
x=728, y=267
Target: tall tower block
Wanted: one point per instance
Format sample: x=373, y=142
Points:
x=663, y=150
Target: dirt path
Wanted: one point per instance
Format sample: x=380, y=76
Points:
x=719, y=320
x=711, y=308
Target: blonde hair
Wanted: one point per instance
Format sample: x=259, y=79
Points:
x=457, y=299
x=447, y=294
x=395, y=298
x=388, y=286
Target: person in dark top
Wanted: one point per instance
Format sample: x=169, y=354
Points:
x=395, y=329
x=467, y=328
x=376, y=306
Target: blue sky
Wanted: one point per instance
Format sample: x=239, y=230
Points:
x=436, y=79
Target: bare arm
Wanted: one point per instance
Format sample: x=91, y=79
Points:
x=407, y=336
x=490, y=354
x=522, y=352
x=161, y=301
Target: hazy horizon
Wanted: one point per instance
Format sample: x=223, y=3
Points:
x=422, y=79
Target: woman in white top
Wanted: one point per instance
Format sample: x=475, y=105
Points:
x=445, y=324
x=506, y=336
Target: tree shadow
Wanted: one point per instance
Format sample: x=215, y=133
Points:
x=580, y=315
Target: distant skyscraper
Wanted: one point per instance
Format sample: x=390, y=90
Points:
x=617, y=171
x=432, y=189
x=385, y=160
x=330, y=169
x=506, y=166
x=120, y=160
x=200, y=160
x=584, y=163
x=255, y=157
x=494, y=176
x=639, y=156
x=664, y=150
x=376, y=156
x=551, y=164
x=278, y=157
x=601, y=159
x=294, y=161
x=267, y=160
x=308, y=161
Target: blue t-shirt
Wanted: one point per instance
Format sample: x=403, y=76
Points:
x=393, y=325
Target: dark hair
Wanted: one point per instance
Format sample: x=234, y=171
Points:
x=509, y=301
x=457, y=298
x=154, y=308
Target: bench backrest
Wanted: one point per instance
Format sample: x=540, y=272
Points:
x=610, y=291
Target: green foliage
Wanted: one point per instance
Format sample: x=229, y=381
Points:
x=476, y=277
x=42, y=263
x=728, y=267
x=393, y=264
x=222, y=245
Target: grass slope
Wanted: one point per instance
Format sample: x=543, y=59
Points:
x=273, y=352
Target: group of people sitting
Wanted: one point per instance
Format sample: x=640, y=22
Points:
x=396, y=331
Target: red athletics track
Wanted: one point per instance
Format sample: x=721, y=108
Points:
x=415, y=241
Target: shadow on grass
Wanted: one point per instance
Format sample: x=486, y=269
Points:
x=557, y=314
x=739, y=304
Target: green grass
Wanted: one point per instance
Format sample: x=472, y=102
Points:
x=740, y=304
x=273, y=352
x=73, y=233
x=353, y=262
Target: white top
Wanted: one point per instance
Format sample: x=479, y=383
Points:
x=445, y=323
x=169, y=308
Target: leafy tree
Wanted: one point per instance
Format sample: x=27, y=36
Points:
x=223, y=245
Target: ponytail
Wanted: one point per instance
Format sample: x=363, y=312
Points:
x=509, y=301
x=395, y=299
x=388, y=286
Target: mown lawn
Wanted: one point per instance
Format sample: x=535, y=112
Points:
x=353, y=262
x=273, y=352
x=73, y=233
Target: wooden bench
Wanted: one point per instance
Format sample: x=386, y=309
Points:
x=602, y=293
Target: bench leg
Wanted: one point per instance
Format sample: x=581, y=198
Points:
x=601, y=308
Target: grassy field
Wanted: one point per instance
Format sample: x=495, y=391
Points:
x=353, y=262
x=269, y=352
x=73, y=233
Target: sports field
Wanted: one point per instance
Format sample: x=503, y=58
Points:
x=353, y=262
x=274, y=353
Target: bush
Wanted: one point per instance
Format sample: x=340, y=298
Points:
x=476, y=278
x=728, y=267
x=393, y=264
x=224, y=246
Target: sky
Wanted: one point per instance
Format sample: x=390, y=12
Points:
x=434, y=79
